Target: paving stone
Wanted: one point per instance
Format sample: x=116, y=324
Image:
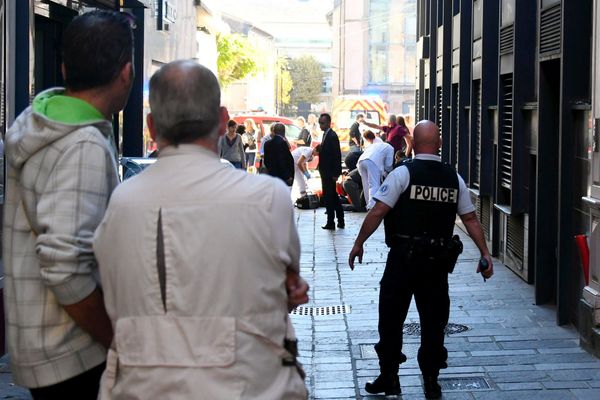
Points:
x=493, y=353
x=333, y=367
x=586, y=394
x=565, y=385
x=335, y=384
x=567, y=365
x=335, y=393
x=575, y=375
x=524, y=394
x=518, y=376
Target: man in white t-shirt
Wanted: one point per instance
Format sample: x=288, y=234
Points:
x=302, y=156
x=377, y=159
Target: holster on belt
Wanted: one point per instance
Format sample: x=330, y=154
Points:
x=443, y=251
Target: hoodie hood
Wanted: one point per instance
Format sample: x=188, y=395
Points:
x=51, y=117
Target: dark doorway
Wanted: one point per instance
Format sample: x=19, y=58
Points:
x=547, y=190
x=48, y=37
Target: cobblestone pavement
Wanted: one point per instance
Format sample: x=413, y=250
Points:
x=512, y=349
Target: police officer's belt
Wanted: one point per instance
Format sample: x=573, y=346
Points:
x=421, y=241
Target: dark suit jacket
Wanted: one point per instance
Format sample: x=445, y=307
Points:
x=279, y=160
x=330, y=157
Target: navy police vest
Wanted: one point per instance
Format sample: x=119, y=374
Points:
x=427, y=208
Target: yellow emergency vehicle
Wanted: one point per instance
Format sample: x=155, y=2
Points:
x=346, y=108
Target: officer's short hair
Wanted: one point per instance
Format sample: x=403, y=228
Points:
x=359, y=116
x=185, y=102
x=95, y=48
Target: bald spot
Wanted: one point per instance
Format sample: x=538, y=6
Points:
x=179, y=73
x=426, y=138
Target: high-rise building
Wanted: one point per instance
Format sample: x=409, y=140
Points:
x=374, y=48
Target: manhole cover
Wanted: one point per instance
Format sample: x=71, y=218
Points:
x=321, y=311
x=414, y=329
x=410, y=350
x=464, y=383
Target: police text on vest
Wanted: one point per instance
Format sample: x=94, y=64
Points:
x=432, y=193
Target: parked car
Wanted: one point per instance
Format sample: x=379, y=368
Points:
x=264, y=122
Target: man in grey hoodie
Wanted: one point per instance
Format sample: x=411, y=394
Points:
x=61, y=171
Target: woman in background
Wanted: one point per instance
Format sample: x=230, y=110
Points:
x=231, y=147
x=250, y=138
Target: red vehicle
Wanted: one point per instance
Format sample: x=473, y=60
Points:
x=264, y=122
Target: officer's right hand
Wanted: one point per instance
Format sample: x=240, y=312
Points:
x=357, y=250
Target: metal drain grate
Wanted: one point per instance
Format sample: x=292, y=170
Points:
x=321, y=311
x=414, y=329
x=464, y=383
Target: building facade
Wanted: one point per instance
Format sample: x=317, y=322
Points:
x=257, y=91
x=590, y=302
x=374, y=50
x=509, y=84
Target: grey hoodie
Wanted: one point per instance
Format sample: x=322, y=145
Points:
x=59, y=179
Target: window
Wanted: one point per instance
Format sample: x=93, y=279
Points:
x=508, y=12
x=379, y=30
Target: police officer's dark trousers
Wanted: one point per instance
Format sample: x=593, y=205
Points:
x=405, y=276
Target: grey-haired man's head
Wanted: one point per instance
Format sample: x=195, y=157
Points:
x=185, y=100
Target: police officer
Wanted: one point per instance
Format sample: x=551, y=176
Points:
x=425, y=195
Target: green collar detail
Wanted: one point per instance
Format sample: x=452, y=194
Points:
x=66, y=109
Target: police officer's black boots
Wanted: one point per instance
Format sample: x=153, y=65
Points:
x=386, y=383
x=431, y=387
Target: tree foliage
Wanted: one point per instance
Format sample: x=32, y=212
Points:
x=284, y=81
x=236, y=58
x=307, y=78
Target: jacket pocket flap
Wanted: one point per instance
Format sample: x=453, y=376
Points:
x=176, y=341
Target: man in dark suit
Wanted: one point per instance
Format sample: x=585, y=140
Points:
x=278, y=158
x=330, y=168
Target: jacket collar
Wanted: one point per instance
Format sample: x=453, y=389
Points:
x=185, y=149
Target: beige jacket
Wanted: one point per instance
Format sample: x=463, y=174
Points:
x=213, y=327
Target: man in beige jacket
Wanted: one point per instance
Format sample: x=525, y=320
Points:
x=194, y=259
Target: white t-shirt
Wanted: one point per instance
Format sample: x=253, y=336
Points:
x=398, y=180
x=305, y=151
x=382, y=154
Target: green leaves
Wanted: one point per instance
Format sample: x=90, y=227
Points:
x=236, y=58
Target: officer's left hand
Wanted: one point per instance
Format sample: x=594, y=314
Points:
x=356, y=251
x=487, y=274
